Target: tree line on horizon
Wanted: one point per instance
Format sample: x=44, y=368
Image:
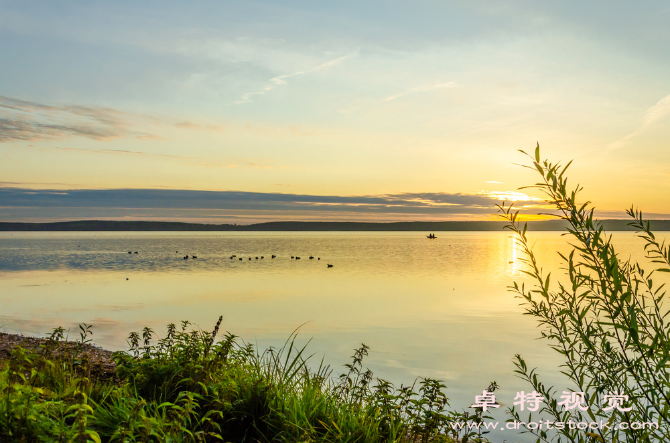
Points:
x=473, y=225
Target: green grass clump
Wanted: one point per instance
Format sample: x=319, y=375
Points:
x=190, y=387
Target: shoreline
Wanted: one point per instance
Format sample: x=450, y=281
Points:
x=293, y=226
x=100, y=360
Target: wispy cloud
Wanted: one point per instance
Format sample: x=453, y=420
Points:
x=22, y=120
x=30, y=121
x=651, y=117
x=194, y=161
x=197, y=126
x=20, y=184
x=424, y=88
x=216, y=165
x=120, y=152
x=656, y=112
x=281, y=79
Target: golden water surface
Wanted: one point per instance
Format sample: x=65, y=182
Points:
x=436, y=308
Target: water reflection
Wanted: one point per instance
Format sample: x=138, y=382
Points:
x=434, y=308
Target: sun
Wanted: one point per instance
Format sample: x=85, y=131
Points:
x=513, y=196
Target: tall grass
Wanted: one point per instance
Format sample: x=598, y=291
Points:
x=191, y=386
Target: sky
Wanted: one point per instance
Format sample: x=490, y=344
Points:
x=251, y=111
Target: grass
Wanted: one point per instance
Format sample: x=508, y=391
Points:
x=192, y=386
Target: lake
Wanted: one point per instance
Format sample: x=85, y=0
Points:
x=436, y=308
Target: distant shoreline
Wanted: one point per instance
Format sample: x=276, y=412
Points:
x=289, y=226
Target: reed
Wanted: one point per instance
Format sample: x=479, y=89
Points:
x=606, y=318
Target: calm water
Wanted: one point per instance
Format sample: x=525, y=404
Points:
x=435, y=308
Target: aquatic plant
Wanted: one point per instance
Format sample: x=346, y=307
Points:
x=606, y=319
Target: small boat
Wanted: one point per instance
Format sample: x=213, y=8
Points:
x=431, y=236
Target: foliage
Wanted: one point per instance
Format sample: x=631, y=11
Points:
x=607, y=320
x=190, y=387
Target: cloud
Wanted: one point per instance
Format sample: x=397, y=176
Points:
x=215, y=165
x=513, y=196
x=197, y=126
x=425, y=88
x=120, y=152
x=30, y=121
x=19, y=184
x=331, y=63
x=281, y=79
x=656, y=112
x=651, y=117
x=155, y=202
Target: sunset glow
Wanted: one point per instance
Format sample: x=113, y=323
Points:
x=418, y=100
